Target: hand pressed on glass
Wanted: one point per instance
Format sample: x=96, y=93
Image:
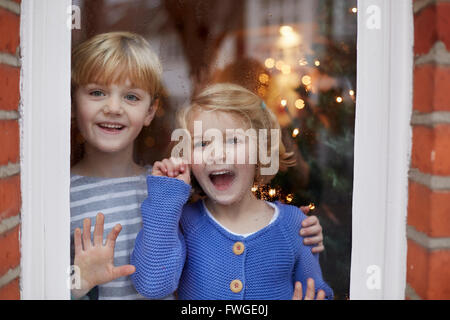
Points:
x=310, y=293
x=96, y=260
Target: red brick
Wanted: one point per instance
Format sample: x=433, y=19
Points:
x=439, y=283
x=429, y=211
x=9, y=141
x=431, y=85
x=431, y=25
x=417, y=268
x=427, y=272
x=9, y=197
x=9, y=250
x=431, y=149
x=10, y=291
x=9, y=87
x=10, y=31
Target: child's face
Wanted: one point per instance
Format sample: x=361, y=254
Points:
x=224, y=181
x=111, y=117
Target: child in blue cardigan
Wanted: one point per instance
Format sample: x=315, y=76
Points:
x=231, y=245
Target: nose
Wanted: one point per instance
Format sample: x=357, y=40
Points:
x=216, y=152
x=113, y=105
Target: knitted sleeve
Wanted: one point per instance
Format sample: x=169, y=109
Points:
x=159, y=250
x=307, y=265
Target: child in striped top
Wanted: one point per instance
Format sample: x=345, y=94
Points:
x=115, y=86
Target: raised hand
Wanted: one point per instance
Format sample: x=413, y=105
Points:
x=95, y=261
x=310, y=293
x=173, y=168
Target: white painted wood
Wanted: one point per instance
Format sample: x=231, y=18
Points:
x=382, y=149
x=45, y=149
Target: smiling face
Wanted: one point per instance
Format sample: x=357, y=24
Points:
x=110, y=117
x=224, y=179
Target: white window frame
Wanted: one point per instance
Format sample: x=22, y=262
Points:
x=382, y=149
x=45, y=149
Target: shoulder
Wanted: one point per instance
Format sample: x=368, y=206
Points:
x=193, y=215
x=291, y=219
x=290, y=214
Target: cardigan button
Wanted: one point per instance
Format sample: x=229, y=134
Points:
x=238, y=248
x=236, y=286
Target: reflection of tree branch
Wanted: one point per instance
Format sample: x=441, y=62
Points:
x=202, y=27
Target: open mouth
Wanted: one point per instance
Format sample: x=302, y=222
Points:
x=110, y=127
x=222, y=180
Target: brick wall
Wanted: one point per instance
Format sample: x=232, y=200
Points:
x=10, y=202
x=428, y=230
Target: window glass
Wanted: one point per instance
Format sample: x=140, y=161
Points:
x=298, y=55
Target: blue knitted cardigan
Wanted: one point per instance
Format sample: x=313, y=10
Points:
x=199, y=261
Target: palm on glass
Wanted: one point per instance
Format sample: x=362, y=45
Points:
x=95, y=260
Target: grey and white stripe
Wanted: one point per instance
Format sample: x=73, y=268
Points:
x=119, y=199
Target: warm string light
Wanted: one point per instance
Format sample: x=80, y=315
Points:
x=302, y=62
x=299, y=104
x=295, y=132
x=269, y=63
x=306, y=80
x=289, y=198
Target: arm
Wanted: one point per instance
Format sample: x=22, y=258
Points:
x=307, y=266
x=159, y=251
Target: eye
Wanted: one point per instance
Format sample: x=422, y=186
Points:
x=132, y=97
x=201, y=144
x=96, y=93
x=234, y=140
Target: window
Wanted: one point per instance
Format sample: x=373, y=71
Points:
x=314, y=98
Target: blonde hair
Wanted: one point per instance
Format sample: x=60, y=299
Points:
x=233, y=98
x=114, y=57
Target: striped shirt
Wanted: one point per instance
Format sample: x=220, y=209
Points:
x=119, y=199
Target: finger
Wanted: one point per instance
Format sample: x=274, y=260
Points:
x=310, y=221
x=98, y=230
x=112, y=236
x=305, y=209
x=297, y=291
x=123, y=271
x=318, y=249
x=170, y=167
x=87, y=244
x=311, y=241
x=178, y=166
x=314, y=230
x=178, y=163
x=77, y=241
x=310, y=289
x=159, y=168
x=320, y=295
